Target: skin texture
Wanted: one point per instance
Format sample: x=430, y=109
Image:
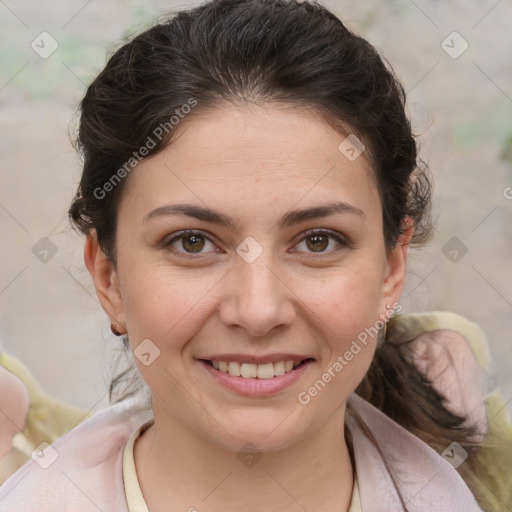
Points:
x=301, y=295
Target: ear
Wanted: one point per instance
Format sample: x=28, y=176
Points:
x=396, y=267
x=106, y=281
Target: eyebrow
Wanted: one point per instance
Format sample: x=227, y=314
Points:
x=289, y=219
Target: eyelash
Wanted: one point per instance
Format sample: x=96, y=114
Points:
x=338, y=237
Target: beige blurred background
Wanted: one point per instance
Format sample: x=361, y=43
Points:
x=460, y=100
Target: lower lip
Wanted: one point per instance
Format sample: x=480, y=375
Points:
x=257, y=387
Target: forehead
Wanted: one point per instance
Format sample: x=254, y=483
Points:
x=252, y=154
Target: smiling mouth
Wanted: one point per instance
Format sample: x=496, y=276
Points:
x=257, y=371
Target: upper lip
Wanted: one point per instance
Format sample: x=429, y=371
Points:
x=247, y=358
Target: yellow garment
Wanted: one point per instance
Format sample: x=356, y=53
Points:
x=133, y=492
x=47, y=420
x=496, y=456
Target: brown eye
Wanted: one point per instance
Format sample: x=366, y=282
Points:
x=319, y=242
x=190, y=242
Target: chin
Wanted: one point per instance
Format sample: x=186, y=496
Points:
x=271, y=433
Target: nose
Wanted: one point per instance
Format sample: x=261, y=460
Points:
x=257, y=297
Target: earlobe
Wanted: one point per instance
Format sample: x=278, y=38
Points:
x=105, y=278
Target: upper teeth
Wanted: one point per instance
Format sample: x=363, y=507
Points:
x=248, y=370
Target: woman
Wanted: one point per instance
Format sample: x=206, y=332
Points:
x=249, y=194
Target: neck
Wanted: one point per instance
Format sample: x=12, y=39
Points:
x=187, y=471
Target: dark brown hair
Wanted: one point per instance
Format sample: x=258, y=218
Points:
x=267, y=51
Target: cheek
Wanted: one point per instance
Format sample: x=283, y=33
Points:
x=348, y=301
x=347, y=308
x=162, y=304
x=169, y=310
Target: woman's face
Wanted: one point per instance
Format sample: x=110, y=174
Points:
x=266, y=274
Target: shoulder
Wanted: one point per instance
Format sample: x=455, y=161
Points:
x=80, y=471
x=30, y=416
x=453, y=353
x=14, y=405
x=458, y=332
x=46, y=413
